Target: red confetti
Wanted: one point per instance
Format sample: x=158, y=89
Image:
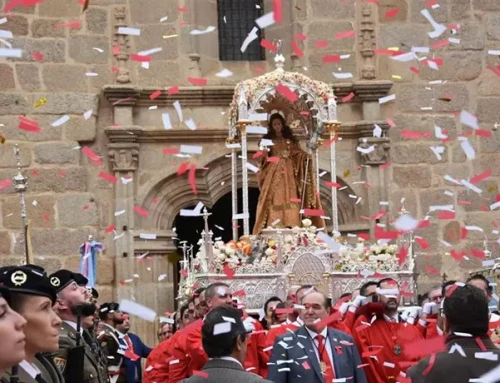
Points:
x=440, y=44
x=266, y=44
x=287, y=92
x=314, y=212
x=446, y=215
x=300, y=36
x=229, y=272
x=333, y=184
x=411, y=135
x=422, y=242
x=198, y=81
x=430, y=3
x=403, y=253
x=284, y=311
x=170, y=151
x=239, y=293
x=382, y=234
x=37, y=56
x=321, y=44
x=480, y=343
x=457, y=256
x=331, y=59
x=391, y=13
x=278, y=11
x=139, y=210
x=183, y=168
x=296, y=49
x=108, y=177
x=28, y=125
x=384, y=52
x=431, y=270
x=481, y=177
x=173, y=90
x=329, y=320
x=110, y=229
x=5, y=183
x=192, y=178
x=273, y=159
x=90, y=154
x=305, y=364
x=116, y=50
x=258, y=154
x=477, y=253
x=415, y=70
x=71, y=25
x=343, y=35
x=384, y=166
x=348, y=98
x=364, y=236
x=295, y=200
x=140, y=58
x=483, y=133
x=155, y=200
x=182, y=9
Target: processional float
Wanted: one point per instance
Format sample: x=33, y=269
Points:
x=259, y=266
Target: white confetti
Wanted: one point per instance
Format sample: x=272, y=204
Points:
x=265, y=20
x=91, y=74
x=6, y=52
x=149, y=52
x=191, y=124
x=438, y=150
x=147, y=236
x=366, y=150
x=468, y=119
x=495, y=205
x=256, y=129
x=120, y=212
x=224, y=73
x=129, y=31
x=6, y=34
x=251, y=37
x=342, y=76
x=60, y=121
x=470, y=186
x=88, y=114
x=467, y=148
x=377, y=131
x=165, y=117
x=138, y=310
x=164, y=18
x=241, y=216
x=405, y=57
x=98, y=50
x=222, y=328
x=3, y=20
x=385, y=99
x=439, y=29
x=191, y=149
x=406, y=223
x=251, y=167
x=177, y=106
x=209, y=29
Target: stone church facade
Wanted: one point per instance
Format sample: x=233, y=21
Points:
x=126, y=130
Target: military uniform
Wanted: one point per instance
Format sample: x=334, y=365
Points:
x=98, y=353
x=92, y=371
x=110, y=345
x=43, y=367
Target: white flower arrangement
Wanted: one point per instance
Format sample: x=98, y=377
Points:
x=378, y=257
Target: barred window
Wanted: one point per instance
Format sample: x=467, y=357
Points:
x=236, y=19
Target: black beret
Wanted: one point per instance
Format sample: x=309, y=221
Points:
x=30, y=280
x=107, y=308
x=62, y=278
x=80, y=279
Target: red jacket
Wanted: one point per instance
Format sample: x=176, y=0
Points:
x=182, y=369
x=157, y=364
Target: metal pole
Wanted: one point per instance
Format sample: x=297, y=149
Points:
x=244, y=170
x=20, y=185
x=333, y=172
x=234, y=190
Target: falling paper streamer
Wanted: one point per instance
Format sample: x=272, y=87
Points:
x=251, y=37
x=166, y=121
x=439, y=133
x=467, y=148
x=177, y=106
x=6, y=52
x=266, y=20
x=191, y=124
x=164, y=18
x=366, y=150
x=6, y=34
x=438, y=150
x=60, y=121
x=224, y=73
x=129, y=31
x=252, y=167
x=209, y=29
x=468, y=119
x=87, y=114
x=439, y=29
x=342, y=76
x=138, y=310
x=468, y=185
x=385, y=99
x=377, y=131
x=191, y=149
x=222, y=328
x=405, y=57
x=256, y=130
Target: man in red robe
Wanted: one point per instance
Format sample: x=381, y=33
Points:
x=367, y=290
x=179, y=364
x=381, y=336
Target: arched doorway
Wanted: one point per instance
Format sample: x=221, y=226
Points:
x=220, y=222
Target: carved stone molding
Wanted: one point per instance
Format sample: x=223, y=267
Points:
x=222, y=95
x=122, y=44
x=367, y=42
x=380, y=153
x=124, y=157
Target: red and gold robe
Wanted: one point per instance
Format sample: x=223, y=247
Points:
x=181, y=370
x=158, y=362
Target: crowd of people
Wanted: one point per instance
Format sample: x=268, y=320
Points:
x=52, y=329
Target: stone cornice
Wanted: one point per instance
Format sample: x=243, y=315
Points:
x=137, y=134
x=130, y=95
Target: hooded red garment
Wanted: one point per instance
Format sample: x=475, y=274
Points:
x=384, y=340
x=157, y=363
x=181, y=370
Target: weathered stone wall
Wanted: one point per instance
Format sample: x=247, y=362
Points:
x=72, y=201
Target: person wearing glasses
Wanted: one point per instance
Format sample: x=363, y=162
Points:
x=12, y=335
x=224, y=339
x=74, y=300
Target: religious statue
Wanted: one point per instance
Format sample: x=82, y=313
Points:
x=88, y=261
x=286, y=180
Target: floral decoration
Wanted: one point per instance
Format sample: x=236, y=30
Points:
x=379, y=257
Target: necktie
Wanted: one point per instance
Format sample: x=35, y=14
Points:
x=325, y=363
x=129, y=343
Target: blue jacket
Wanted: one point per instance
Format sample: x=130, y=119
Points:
x=131, y=367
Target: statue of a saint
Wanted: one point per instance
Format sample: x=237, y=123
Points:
x=281, y=181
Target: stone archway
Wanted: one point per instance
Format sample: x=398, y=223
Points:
x=173, y=193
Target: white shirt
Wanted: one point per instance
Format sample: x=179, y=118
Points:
x=326, y=341
x=229, y=358
x=73, y=325
x=30, y=368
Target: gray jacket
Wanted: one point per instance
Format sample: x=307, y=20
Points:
x=224, y=371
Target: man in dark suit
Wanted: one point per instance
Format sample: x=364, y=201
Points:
x=315, y=353
x=224, y=340
x=469, y=352
x=134, y=350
